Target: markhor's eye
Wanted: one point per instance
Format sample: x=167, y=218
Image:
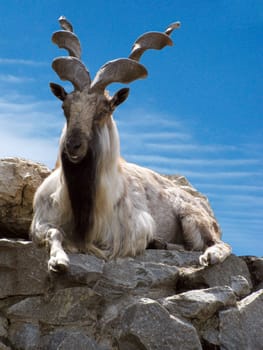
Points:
x=102, y=114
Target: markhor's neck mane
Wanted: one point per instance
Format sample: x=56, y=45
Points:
x=81, y=183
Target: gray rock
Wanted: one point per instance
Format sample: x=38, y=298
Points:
x=127, y=275
x=110, y=305
x=52, y=340
x=146, y=325
x=23, y=268
x=209, y=333
x=170, y=257
x=66, y=306
x=78, y=341
x=19, y=180
x=258, y=268
x=200, y=304
x=4, y=347
x=241, y=327
x=240, y=286
x=214, y=275
x=3, y=327
x=113, y=311
x=255, y=266
x=259, y=286
x=24, y=336
x=69, y=340
x=84, y=269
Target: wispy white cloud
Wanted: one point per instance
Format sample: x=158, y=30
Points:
x=8, y=78
x=29, y=129
x=193, y=147
x=243, y=240
x=153, y=159
x=138, y=117
x=254, y=214
x=232, y=187
x=29, y=118
x=207, y=174
x=239, y=200
x=19, y=61
x=247, y=220
x=161, y=136
x=36, y=149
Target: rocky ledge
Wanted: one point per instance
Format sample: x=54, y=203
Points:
x=19, y=180
x=159, y=300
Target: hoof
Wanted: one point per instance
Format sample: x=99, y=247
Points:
x=204, y=260
x=58, y=265
x=215, y=254
x=157, y=244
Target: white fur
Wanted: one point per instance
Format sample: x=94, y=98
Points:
x=215, y=254
x=133, y=206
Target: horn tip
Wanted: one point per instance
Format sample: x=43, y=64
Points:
x=171, y=27
x=65, y=24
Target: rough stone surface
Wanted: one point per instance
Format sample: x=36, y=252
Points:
x=76, y=340
x=146, y=325
x=4, y=347
x=125, y=304
x=19, y=180
x=130, y=276
x=20, y=259
x=214, y=275
x=160, y=300
x=3, y=327
x=255, y=266
x=200, y=304
x=24, y=335
x=240, y=286
x=209, y=333
x=171, y=257
x=62, y=307
x=241, y=327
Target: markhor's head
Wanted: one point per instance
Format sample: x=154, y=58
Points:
x=89, y=107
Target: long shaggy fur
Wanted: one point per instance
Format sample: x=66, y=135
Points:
x=114, y=208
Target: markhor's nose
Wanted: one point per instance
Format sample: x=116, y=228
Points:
x=76, y=145
x=73, y=145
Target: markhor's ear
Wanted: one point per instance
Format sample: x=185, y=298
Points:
x=120, y=97
x=58, y=91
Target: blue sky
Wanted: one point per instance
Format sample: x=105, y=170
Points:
x=199, y=112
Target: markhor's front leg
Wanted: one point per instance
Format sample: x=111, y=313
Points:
x=215, y=254
x=58, y=261
x=198, y=231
